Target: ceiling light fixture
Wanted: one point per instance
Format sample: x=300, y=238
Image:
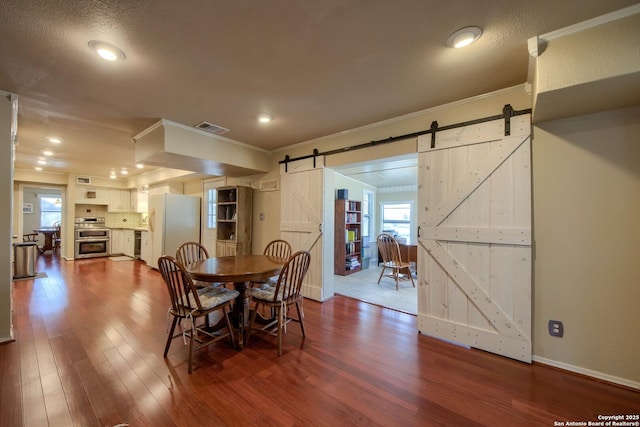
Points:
x=47, y=152
x=38, y=168
x=107, y=51
x=54, y=139
x=264, y=118
x=124, y=172
x=464, y=37
x=139, y=165
x=42, y=162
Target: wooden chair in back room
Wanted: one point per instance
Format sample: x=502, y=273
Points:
x=57, y=236
x=389, y=249
x=30, y=237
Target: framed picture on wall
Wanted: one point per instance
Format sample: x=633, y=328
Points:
x=27, y=208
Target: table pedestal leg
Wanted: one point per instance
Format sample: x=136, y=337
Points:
x=240, y=311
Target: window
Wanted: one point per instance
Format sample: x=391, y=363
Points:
x=50, y=210
x=396, y=219
x=367, y=213
x=212, y=207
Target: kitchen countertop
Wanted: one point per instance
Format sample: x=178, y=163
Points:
x=124, y=227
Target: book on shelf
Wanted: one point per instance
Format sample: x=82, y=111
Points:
x=350, y=248
x=352, y=218
x=352, y=263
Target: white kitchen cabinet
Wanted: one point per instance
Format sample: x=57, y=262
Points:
x=139, y=201
x=145, y=246
x=119, y=200
x=91, y=195
x=129, y=243
x=117, y=241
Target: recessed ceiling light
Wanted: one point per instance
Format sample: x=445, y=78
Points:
x=54, y=139
x=139, y=165
x=38, y=168
x=107, y=51
x=47, y=152
x=124, y=172
x=264, y=118
x=42, y=162
x=464, y=37
x=112, y=176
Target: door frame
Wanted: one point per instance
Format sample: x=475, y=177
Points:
x=208, y=235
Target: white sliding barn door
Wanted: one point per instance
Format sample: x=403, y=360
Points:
x=301, y=223
x=474, y=263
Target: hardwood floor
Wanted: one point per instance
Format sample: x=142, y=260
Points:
x=90, y=337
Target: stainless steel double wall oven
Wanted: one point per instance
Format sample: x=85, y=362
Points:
x=92, y=238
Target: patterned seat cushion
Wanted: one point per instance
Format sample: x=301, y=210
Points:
x=212, y=296
x=264, y=292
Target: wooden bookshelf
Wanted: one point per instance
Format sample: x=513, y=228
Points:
x=347, y=237
x=233, y=221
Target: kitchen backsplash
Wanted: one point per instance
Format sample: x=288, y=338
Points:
x=112, y=219
x=130, y=219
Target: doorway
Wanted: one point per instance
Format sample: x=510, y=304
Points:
x=391, y=181
x=39, y=207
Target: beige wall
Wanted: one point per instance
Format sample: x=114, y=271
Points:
x=586, y=179
x=6, y=216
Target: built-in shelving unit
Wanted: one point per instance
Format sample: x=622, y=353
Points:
x=233, y=221
x=347, y=236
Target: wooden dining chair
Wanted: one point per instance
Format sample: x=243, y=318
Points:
x=389, y=249
x=191, y=252
x=281, y=297
x=57, y=236
x=30, y=237
x=189, y=302
x=278, y=248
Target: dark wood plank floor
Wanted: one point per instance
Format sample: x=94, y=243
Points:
x=88, y=352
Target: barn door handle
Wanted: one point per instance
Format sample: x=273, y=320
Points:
x=419, y=236
x=320, y=227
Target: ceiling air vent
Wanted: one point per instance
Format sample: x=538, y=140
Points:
x=211, y=128
x=83, y=180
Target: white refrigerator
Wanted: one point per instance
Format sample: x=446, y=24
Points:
x=173, y=220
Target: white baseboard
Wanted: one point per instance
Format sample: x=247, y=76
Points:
x=595, y=374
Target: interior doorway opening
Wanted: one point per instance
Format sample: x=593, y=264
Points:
x=390, y=182
x=37, y=208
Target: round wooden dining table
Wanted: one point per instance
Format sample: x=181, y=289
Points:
x=239, y=269
x=48, y=233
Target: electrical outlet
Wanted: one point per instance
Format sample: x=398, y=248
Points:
x=556, y=328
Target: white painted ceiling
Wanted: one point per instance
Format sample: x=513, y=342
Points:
x=392, y=172
x=318, y=67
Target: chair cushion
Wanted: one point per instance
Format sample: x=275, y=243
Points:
x=212, y=296
x=265, y=292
